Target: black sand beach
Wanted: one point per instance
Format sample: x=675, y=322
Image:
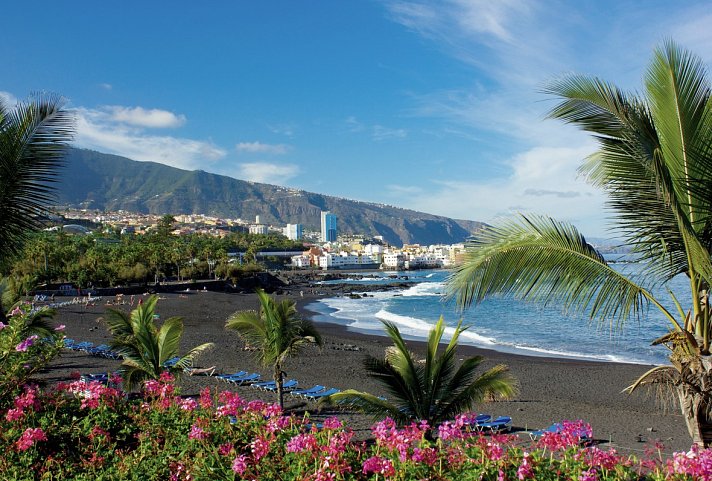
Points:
x=551, y=390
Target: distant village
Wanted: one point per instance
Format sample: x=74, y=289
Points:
x=325, y=249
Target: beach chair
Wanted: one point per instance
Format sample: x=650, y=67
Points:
x=474, y=423
x=501, y=423
x=272, y=386
x=249, y=379
x=171, y=362
x=225, y=377
x=83, y=346
x=205, y=371
x=305, y=392
x=68, y=343
x=99, y=350
x=323, y=394
x=557, y=427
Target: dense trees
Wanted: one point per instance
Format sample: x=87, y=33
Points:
x=110, y=260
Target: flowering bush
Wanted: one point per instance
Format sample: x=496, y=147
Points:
x=22, y=351
x=81, y=430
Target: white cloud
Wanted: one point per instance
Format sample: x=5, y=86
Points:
x=542, y=180
x=260, y=148
x=140, y=117
x=106, y=86
x=7, y=99
x=100, y=131
x=380, y=133
x=282, y=129
x=267, y=173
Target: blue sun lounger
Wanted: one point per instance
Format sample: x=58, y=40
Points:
x=311, y=390
x=272, y=386
x=82, y=346
x=225, y=377
x=555, y=428
x=502, y=423
x=249, y=379
x=323, y=394
x=479, y=419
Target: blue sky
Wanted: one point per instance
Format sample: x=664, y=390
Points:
x=434, y=106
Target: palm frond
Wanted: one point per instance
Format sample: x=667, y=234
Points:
x=33, y=141
x=379, y=408
x=539, y=259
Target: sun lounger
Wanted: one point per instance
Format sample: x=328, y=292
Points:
x=68, y=343
x=305, y=392
x=98, y=350
x=254, y=377
x=272, y=386
x=555, y=428
x=82, y=346
x=205, y=371
x=225, y=377
x=502, y=423
x=474, y=423
x=171, y=362
x=323, y=394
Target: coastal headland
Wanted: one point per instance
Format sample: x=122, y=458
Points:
x=551, y=389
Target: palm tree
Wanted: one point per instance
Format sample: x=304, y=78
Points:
x=278, y=333
x=33, y=141
x=433, y=389
x=148, y=350
x=654, y=161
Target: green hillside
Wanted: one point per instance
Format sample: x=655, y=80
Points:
x=108, y=182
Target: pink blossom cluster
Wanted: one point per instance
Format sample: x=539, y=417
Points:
x=197, y=432
x=94, y=393
x=302, y=442
x=230, y=404
x=29, y=437
x=569, y=434
x=598, y=458
x=525, y=469
x=29, y=398
x=402, y=440
x=379, y=465
x=696, y=463
x=162, y=388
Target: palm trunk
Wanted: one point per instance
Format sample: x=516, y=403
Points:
x=279, y=381
x=695, y=395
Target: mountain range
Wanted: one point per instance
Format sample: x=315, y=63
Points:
x=105, y=182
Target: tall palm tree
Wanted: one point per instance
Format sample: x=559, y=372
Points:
x=432, y=389
x=33, y=141
x=278, y=333
x=145, y=347
x=655, y=163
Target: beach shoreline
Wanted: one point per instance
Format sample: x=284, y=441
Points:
x=551, y=389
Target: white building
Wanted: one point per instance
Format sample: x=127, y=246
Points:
x=258, y=229
x=301, y=262
x=393, y=260
x=294, y=231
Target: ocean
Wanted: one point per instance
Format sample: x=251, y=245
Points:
x=503, y=324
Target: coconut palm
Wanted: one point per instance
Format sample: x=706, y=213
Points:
x=277, y=332
x=33, y=141
x=654, y=161
x=148, y=350
x=433, y=389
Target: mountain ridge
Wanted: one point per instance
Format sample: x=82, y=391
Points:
x=109, y=182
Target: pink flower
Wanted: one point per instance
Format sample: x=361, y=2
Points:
x=239, y=464
x=2, y=326
x=196, y=432
x=225, y=449
x=22, y=347
x=14, y=414
x=379, y=465
x=260, y=447
x=332, y=423
x=525, y=470
x=589, y=475
x=302, y=442
x=188, y=404
x=29, y=437
x=206, y=401
x=61, y=327
x=425, y=455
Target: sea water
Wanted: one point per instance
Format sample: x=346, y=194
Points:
x=503, y=324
